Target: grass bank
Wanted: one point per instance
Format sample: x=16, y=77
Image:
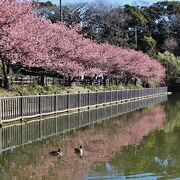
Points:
x=35, y=89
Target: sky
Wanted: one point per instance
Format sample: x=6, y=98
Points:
x=117, y=2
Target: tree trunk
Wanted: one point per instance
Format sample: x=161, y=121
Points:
x=42, y=80
x=135, y=81
x=6, y=69
x=104, y=80
x=91, y=81
x=116, y=81
x=127, y=80
x=7, y=82
x=110, y=80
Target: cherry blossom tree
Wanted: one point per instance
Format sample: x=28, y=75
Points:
x=29, y=40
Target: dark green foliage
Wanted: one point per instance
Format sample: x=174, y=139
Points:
x=149, y=29
x=46, y=4
x=172, y=65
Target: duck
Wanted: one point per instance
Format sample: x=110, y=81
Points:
x=79, y=150
x=59, y=152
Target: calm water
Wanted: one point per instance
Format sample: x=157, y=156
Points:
x=143, y=144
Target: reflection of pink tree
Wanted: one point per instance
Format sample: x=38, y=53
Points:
x=143, y=125
x=100, y=143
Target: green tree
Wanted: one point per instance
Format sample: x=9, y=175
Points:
x=149, y=44
x=46, y=4
x=172, y=65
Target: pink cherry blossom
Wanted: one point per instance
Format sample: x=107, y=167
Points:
x=33, y=41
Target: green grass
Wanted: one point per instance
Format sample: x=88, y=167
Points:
x=35, y=89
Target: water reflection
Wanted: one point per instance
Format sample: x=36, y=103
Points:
x=156, y=157
x=101, y=141
x=14, y=135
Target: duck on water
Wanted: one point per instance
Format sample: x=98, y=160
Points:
x=59, y=152
x=79, y=150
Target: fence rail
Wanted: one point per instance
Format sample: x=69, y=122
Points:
x=24, y=133
x=29, y=106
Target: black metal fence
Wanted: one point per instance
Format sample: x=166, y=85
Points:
x=29, y=106
x=24, y=133
x=25, y=80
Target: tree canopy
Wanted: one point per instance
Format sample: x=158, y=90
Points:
x=30, y=40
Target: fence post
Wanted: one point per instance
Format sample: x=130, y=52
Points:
x=89, y=117
x=22, y=133
x=116, y=96
x=135, y=90
x=21, y=106
x=40, y=129
x=40, y=104
x=79, y=100
x=104, y=97
x=68, y=100
x=125, y=95
x=110, y=96
x=69, y=123
x=144, y=93
x=96, y=98
x=56, y=125
x=55, y=103
x=79, y=119
x=89, y=99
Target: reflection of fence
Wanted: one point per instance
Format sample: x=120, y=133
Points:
x=28, y=106
x=23, y=133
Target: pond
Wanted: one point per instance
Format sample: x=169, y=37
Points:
x=141, y=144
